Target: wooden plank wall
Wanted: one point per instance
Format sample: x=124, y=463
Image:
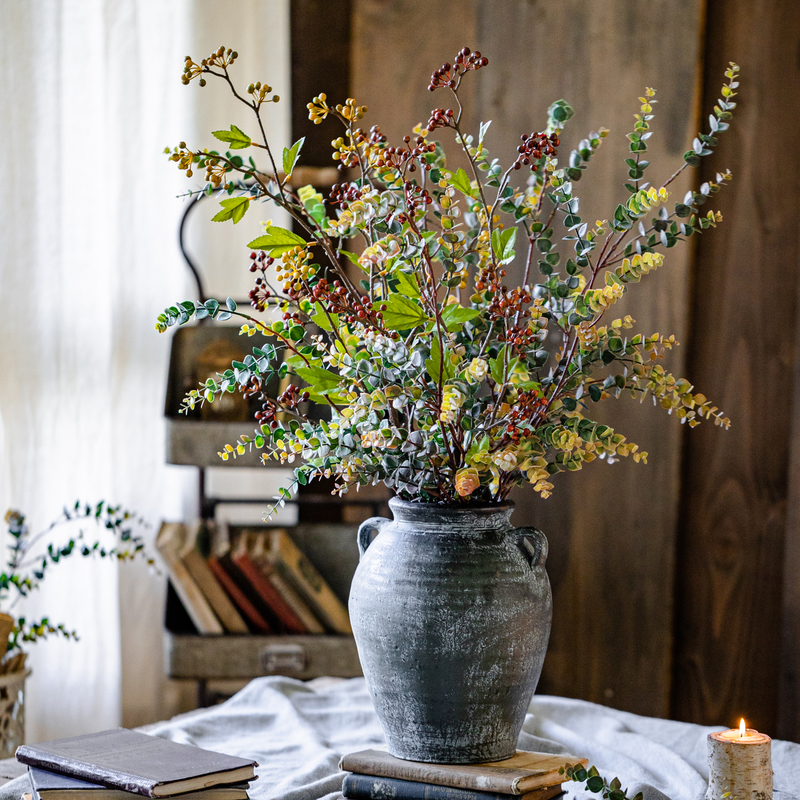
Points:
x=733, y=524
x=667, y=578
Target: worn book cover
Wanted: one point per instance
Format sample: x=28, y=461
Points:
x=371, y=787
x=228, y=575
x=291, y=564
x=51, y=786
x=170, y=541
x=288, y=620
x=137, y=763
x=195, y=562
x=257, y=548
x=520, y=774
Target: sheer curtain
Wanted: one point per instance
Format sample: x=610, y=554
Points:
x=91, y=95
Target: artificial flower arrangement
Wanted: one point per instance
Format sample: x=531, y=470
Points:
x=393, y=309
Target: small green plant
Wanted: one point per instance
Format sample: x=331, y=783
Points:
x=596, y=783
x=31, y=556
x=390, y=306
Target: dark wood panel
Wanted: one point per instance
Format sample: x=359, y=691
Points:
x=320, y=63
x=743, y=351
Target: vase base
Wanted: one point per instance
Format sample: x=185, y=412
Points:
x=471, y=754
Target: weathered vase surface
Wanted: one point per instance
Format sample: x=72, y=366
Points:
x=451, y=610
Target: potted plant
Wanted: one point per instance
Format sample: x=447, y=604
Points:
x=390, y=305
x=29, y=558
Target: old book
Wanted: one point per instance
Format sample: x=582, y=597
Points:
x=371, y=787
x=171, y=540
x=137, y=763
x=198, y=568
x=52, y=786
x=222, y=568
x=288, y=619
x=283, y=587
x=288, y=561
x=520, y=774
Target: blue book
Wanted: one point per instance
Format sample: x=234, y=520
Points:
x=372, y=787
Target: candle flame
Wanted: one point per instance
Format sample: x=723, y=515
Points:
x=742, y=729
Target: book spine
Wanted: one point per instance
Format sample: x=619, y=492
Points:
x=370, y=787
x=85, y=772
x=260, y=625
x=194, y=601
x=299, y=606
x=209, y=585
x=269, y=594
x=291, y=564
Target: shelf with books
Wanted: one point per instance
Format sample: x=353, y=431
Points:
x=246, y=601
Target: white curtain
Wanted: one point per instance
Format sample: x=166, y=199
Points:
x=90, y=95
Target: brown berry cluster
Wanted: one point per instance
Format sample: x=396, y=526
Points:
x=507, y=304
x=416, y=196
x=535, y=146
x=292, y=397
x=402, y=158
x=450, y=75
x=489, y=279
x=440, y=118
x=259, y=295
x=343, y=194
x=220, y=58
x=338, y=300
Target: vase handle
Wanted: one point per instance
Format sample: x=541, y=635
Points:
x=533, y=544
x=365, y=531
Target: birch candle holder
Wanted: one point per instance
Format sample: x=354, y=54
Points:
x=739, y=765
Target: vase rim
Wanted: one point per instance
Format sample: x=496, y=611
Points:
x=481, y=513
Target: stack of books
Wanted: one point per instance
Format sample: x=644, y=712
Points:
x=123, y=765
x=376, y=775
x=260, y=582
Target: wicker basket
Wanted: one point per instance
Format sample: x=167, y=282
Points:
x=12, y=712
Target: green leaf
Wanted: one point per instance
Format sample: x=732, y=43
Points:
x=407, y=284
x=233, y=208
x=321, y=320
x=434, y=364
x=595, y=784
x=236, y=138
x=402, y=313
x=320, y=379
x=461, y=181
x=454, y=316
x=276, y=241
x=290, y=156
x=503, y=244
x=497, y=366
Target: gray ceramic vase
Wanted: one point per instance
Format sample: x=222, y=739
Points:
x=451, y=610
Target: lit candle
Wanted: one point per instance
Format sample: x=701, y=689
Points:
x=739, y=765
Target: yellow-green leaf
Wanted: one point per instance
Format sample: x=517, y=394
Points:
x=276, y=241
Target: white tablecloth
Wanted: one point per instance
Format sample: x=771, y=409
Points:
x=298, y=731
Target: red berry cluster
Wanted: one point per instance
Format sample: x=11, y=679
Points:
x=525, y=407
x=535, y=146
x=440, y=118
x=450, y=75
x=259, y=295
